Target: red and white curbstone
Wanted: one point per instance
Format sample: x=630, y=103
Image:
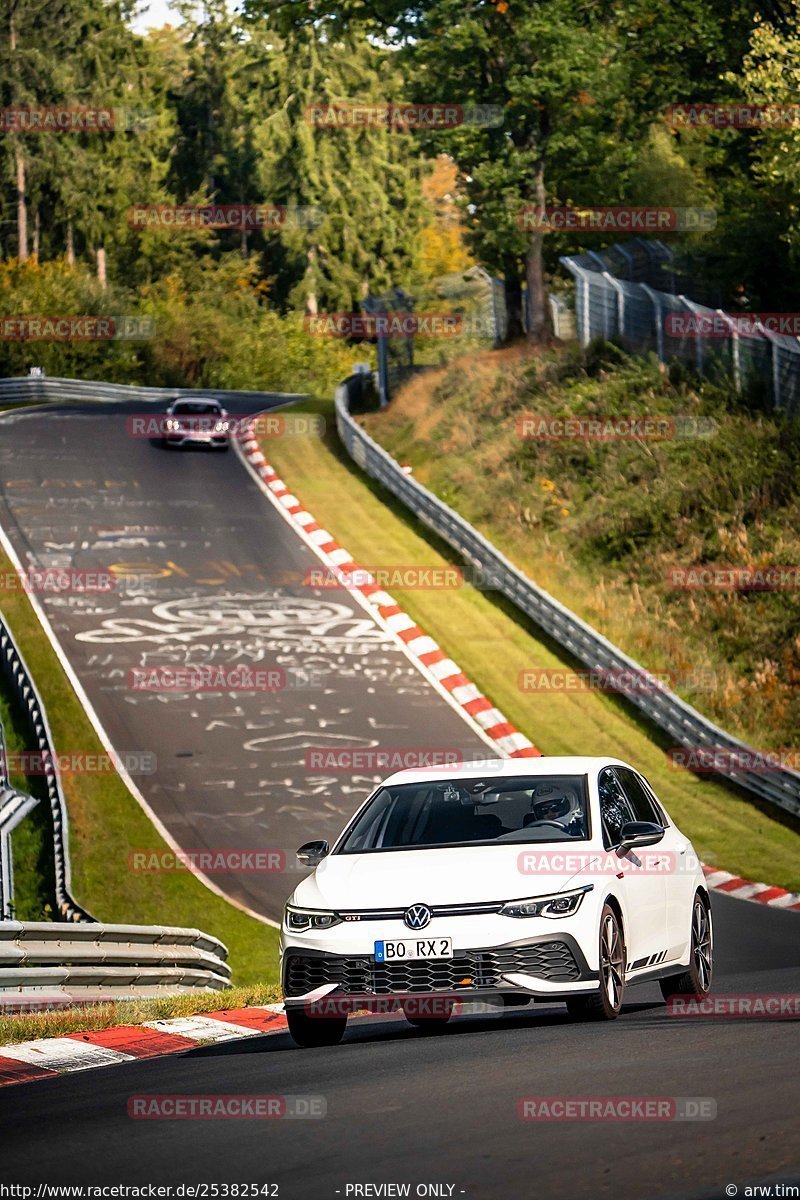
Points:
x=47, y=1058
x=423, y=650
x=743, y=889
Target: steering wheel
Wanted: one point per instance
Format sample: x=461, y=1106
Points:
x=555, y=825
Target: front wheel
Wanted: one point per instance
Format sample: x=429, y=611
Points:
x=605, y=1004
x=310, y=1031
x=697, y=980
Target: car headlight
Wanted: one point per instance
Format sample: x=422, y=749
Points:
x=299, y=920
x=221, y=427
x=560, y=904
x=172, y=423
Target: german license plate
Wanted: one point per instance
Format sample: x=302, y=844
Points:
x=409, y=948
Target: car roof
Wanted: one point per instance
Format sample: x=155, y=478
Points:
x=508, y=768
x=196, y=400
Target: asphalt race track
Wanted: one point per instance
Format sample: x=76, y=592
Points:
x=209, y=573
x=405, y=1106
x=219, y=578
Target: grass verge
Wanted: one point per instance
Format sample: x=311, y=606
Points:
x=608, y=526
x=26, y=1027
x=106, y=823
x=492, y=643
x=32, y=840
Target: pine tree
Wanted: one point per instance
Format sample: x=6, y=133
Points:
x=365, y=182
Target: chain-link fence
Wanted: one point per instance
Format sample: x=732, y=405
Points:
x=714, y=343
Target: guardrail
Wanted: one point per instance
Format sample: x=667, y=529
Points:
x=15, y=670
x=35, y=389
x=108, y=959
x=687, y=727
x=14, y=807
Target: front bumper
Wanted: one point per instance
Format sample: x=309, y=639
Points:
x=180, y=438
x=545, y=967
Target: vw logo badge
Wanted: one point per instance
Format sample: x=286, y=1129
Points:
x=417, y=917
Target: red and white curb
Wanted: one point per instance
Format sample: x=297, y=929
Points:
x=440, y=670
x=47, y=1058
x=743, y=889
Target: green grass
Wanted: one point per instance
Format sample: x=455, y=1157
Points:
x=29, y=1026
x=492, y=644
x=599, y=524
x=106, y=824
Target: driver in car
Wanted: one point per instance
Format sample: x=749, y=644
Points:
x=559, y=805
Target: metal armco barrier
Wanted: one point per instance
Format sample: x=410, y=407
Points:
x=14, y=807
x=112, y=960
x=40, y=389
x=16, y=672
x=683, y=724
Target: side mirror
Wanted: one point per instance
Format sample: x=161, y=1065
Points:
x=312, y=853
x=639, y=833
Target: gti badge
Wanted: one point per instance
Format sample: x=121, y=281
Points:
x=417, y=917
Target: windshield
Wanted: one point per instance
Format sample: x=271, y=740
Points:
x=197, y=408
x=456, y=812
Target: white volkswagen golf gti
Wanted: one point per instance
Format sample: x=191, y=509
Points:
x=556, y=879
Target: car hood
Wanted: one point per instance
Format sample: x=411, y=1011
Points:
x=459, y=875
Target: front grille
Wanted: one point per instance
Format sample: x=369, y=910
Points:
x=483, y=968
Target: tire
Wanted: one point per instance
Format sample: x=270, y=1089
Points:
x=315, y=1031
x=605, y=1004
x=433, y=1024
x=697, y=980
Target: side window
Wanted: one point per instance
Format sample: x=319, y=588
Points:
x=640, y=799
x=662, y=815
x=615, y=808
